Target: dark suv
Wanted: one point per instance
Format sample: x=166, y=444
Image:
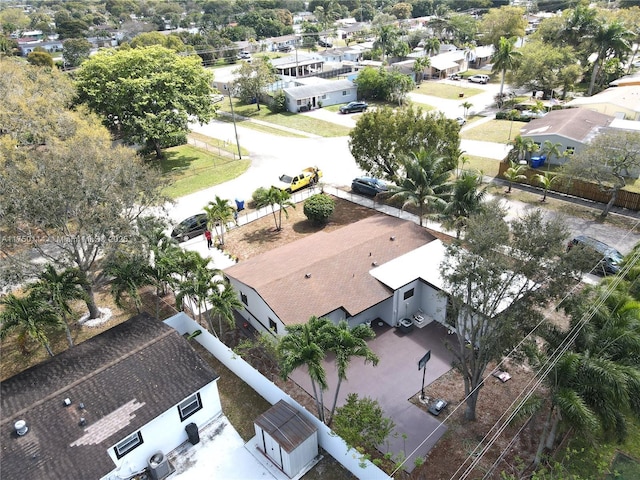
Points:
x=610, y=258
x=352, y=107
x=368, y=186
x=190, y=227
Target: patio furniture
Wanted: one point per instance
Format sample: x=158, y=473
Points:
x=406, y=325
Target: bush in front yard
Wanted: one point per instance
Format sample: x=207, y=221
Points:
x=319, y=207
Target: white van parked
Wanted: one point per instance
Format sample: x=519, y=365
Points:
x=479, y=79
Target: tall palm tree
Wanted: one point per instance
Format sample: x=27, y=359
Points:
x=219, y=213
x=466, y=105
x=418, y=68
x=276, y=197
x=466, y=199
x=521, y=147
x=58, y=289
x=546, y=181
x=198, y=285
x=551, y=150
x=347, y=343
x=613, y=40
x=31, y=316
x=505, y=58
x=223, y=300
x=431, y=46
x=515, y=173
x=163, y=262
x=387, y=35
x=302, y=346
x=425, y=183
x=129, y=272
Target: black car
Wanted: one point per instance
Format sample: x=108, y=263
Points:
x=190, y=227
x=368, y=186
x=610, y=258
x=284, y=48
x=325, y=43
x=352, y=107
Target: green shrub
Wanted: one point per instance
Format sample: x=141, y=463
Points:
x=516, y=118
x=319, y=207
x=278, y=102
x=258, y=195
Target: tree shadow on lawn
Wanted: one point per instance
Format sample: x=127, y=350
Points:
x=175, y=162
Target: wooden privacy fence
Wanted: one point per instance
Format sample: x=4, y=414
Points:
x=580, y=189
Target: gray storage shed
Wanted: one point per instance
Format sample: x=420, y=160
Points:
x=287, y=438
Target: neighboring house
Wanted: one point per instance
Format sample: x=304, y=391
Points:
x=444, y=64
x=103, y=408
x=274, y=43
x=313, y=92
x=620, y=102
x=297, y=65
x=380, y=268
x=480, y=56
x=341, y=54
x=572, y=128
x=627, y=81
x=28, y=45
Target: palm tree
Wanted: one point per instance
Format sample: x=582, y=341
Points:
x=522, y=146
x=551, y=150
x=432, y=46
x=223, y=300
x=613, y=41
x=58, y=289
x=275, y=196
x=387, y=34
x=129, y=272
x=546, y=181
x=466, y=199
x=163, y=262
x=515, y=174
x=425, y=183
x=418, y=67
x=31, y=316
x=506, y=57
x=302, y=346
x=347, y=343
x=220, y=213
x=466, y=105
x=198, y=285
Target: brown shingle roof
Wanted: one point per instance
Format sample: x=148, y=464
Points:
x=338, y=264
x=578, y=124
x=141, y=364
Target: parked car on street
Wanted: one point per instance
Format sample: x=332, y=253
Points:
x=244, y=55
x=325, y=43
x=454, y=76
x=461, y=121
x=284, y=48
x=484, y=79
x=610, y=258
x=190, y=227
x=309, y=176
x=352, y=107
x=368, y=186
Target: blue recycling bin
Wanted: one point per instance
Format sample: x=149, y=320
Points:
x=537, y=162
x=239, y=205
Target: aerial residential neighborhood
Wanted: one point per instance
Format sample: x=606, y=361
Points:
x=340, y=239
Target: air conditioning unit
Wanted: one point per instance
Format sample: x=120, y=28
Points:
x=159, y=467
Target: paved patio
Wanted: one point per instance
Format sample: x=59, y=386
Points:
x=394, y=382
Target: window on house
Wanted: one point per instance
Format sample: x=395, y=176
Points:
x=408, y=294
x=190, y=406
x=128, y=444
x=570, y=150
x=243, y=297
x=344, y=93
x=324, y=96
x=272, y=325
x=299, y=102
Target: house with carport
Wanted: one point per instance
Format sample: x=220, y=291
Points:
x=108, y=408
x=381, y=269
x=313, y=92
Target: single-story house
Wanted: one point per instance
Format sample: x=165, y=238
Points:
x=275, y=43
x=572, y=128
x=620, y=102
x=380, y=268
x=104, y=408
x=28, y=45
x=444, y=64
x=297, y=65
x=341, y=54
x=313, y=92
x=627, y=81
x=480, y=56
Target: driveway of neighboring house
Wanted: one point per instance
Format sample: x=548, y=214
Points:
x=393, y=382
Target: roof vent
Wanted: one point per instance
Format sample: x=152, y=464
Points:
x=307, y=275
x=21, y=428
x=392, y=238
x=374, y=264
x=66, y=402
x=82, y=422
x=81, y=406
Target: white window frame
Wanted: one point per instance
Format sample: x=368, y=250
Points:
x=189, y=406
x=130, y=443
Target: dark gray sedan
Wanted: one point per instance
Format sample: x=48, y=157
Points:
x=368, y=186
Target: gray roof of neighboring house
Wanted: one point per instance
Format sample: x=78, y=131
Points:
x=320, y=88
x=125, y=376
x=626, y=97
x=579, y=124
x=339, y=264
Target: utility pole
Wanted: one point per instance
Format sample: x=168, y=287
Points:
x=233, y=116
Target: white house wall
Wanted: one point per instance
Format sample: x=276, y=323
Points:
x=383, y=311
x=256, y=312
x=166, y=432
x=433, y=302
x=563, y=141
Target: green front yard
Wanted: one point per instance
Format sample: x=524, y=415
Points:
x=444, y=90
x=499, y=131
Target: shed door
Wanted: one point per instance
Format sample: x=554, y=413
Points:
x=272, y=449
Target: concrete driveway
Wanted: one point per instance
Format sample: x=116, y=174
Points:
x=393, y=382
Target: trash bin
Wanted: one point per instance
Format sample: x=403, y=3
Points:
x=461, y=94
x=239, y=204
x=537, y=162
x=192, y=433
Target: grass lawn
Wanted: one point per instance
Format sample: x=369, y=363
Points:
x=288, y=119
x=258, y=127
x=444, y=90
x=499, y=131
x=216, y=145
x=189, y=169
x=488, y=166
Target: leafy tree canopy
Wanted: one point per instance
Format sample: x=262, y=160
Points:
x=506, y=21
x=253, y=78
x=380, y=137
x=148, y=94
